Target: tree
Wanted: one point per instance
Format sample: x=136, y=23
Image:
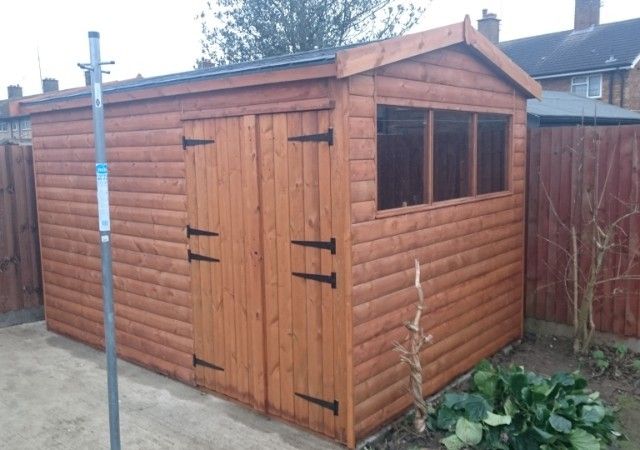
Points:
x=244, y=30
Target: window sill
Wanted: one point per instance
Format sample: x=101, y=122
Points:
x=443, y=204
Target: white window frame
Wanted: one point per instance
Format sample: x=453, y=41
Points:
x=25, y=124
x=4, y=127
x=15, y=125
x=587, y=83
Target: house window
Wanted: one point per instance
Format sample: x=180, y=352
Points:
x=426, y=156
x=25, y=124
x=587, y=86
x=15, y=126
x=4, y=127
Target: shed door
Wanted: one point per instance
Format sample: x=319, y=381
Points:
x=295, y=176
x=263, y=313
x=226, y=272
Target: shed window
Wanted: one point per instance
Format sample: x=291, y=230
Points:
x=451, y=155
x=492, y=154
x=401, y=156
x=426, y=156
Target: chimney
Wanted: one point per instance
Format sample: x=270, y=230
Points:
x=587, y=14
x=49, y=85
x=87, y=78
x=14, y=91
x=489, y=26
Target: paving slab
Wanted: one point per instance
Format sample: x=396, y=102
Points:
x=53, y=396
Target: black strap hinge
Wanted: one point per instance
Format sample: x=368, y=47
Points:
x=197, y=257
x=330, y=279
x=320, y=137
x=333, y=406
x=201, y=362
x=198, y=232
x=188, y=142
x=326, y=245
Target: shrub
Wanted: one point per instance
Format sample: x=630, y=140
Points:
x=509, y=408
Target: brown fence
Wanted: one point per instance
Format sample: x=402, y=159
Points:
x=566, y=166
x=20, y=283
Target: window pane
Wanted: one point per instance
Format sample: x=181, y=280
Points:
x=580, y=89
x=594, y=85
x=492, y=153
x=579, y=80
x=401, y=137
x=451, y=155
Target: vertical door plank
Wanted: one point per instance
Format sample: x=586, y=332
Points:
x=192, y=210
x=237, y=237
x=298, y=285
x=268, y=201
x=253, y=257
x=227, y=260
x=310, y=154
x=214, y=338
x=326, y=266
x=202, y=193
x=284, y=264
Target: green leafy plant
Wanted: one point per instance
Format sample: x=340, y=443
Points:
x=621, y=351
x=509, y=408
x=600, y=361
x=635, y=365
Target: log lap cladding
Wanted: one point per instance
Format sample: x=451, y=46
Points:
x=266, y=216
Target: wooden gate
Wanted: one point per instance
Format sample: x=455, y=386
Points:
x=262, y=247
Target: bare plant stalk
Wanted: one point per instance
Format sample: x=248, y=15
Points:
x=576, y=286
x=411, y=356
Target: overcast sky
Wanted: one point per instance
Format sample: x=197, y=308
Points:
x=159, y=37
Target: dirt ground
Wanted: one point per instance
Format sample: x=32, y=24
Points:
x=548, y=355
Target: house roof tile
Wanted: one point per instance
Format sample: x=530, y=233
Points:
x=605, y=46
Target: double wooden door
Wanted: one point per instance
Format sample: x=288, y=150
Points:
x=261, y=251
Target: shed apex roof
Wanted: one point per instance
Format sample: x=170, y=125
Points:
x=349, y=60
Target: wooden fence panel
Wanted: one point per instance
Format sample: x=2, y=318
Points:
x=20, y=279
x=564, y=168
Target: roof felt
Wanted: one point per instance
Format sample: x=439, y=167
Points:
x=599, y=47
x=563, y=108
x=312, y=57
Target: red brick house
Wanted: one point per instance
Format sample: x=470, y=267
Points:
x=599, y=61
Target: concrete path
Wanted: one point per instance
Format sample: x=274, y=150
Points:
x=53, y=396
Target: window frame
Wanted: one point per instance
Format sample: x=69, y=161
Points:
x=25, y=125
x=428, y=158
x=587, y=84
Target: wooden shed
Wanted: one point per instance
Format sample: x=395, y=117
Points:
x=266, y=216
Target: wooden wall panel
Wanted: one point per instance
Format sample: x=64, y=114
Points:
x=148, y=212
x=471, y=252
x=148, y=194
